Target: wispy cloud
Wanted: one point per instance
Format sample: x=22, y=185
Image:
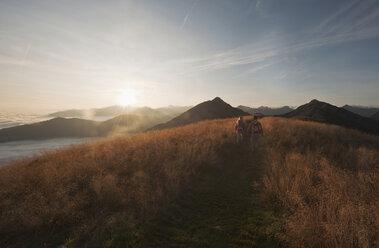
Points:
x=184, y=21
x=259, y=7
x=188, y=14
x=260, y=67
x=358, y=20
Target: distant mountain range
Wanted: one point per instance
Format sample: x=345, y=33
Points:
x=363, y=111
x=266, y=110
x=119, y=110
x=146, y=118
x=209, y=110
x=74, y=127
x=327, y=113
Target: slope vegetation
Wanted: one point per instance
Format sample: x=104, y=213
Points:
x=309, y=185
x=326, y=179
x=105, y=194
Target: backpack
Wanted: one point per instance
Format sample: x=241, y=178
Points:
x=240, y=125
x=256, y=127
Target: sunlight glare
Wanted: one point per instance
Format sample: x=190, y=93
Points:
x=127, y=97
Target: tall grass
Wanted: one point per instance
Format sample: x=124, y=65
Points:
x=323, y=177
x=53, y=197
x=326, y=178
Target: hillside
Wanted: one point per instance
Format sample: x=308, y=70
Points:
x=126, y=185
x=74, y=127
x=363, y=111
x=325, y=178
x=375, y=116
x=193, y=187
x=267, y=111
x=209, y=110
x=327, y=113
x=54, y=128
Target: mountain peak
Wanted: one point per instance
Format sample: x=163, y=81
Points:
x=314, y=101
x=208, y=110
x=217, y=99
x=327, y=113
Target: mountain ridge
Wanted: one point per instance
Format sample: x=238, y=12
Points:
x=266, y=110
x=60, y=127
x=116, y=110
x=324, y=112
x=361, y=110
x=208, y=110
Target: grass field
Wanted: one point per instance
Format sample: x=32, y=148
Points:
x=309, y=185
x=326, y=178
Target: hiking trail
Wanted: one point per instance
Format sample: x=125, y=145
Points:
x=221, y=208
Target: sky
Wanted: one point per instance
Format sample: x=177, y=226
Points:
x=88, y=53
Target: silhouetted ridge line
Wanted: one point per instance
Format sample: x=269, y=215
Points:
x=78, y=128
x=326, y=113
x=266, y=110
x=361, y=110
x=208, y=110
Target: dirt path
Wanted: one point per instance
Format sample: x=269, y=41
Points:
x=221, y=208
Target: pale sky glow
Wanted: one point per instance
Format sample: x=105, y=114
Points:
x=82, y=54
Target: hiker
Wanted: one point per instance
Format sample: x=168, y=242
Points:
x=240, y=129
x=256, y=131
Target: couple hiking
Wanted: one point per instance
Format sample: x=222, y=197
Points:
x=254, y=130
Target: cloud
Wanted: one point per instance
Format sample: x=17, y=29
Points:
x=184, y=21
x=259, y=7
x=188, y=13
x=256, y=67
x=358, y=20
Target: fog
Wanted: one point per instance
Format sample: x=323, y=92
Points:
x=11, y=151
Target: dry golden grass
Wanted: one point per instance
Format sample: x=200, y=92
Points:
x=117, y=179
x=326, y=177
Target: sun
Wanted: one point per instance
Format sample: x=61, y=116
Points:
x=127, y=97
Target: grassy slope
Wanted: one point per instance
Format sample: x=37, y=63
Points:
x=192, y=187
x=326, y=179
x=221, y=208
x=103, y=194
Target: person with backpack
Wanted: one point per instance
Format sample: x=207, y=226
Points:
x=240, y=129
x=256, y=131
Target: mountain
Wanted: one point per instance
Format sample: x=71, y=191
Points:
x=173, y=110
x=327, y=113
x=119, y=110
x=131, y=124
x=83, y=113
x=74, y=127
x=363, y=111
x=55, y=128
x=209, y=110
x=375, y=116
x=266, y=110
